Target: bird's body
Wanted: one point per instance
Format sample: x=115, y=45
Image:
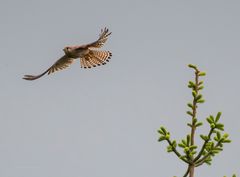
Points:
x=76, y=51
x=89, y=57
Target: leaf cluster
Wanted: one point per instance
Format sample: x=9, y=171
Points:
x=213, y=142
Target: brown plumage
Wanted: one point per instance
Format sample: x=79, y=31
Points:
x=88, y=55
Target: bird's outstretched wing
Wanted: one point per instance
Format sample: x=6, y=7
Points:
x=103, y=36
x=60, y=64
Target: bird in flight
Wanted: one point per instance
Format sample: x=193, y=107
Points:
x=88, y=55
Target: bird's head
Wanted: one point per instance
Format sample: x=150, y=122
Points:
x=66, y=50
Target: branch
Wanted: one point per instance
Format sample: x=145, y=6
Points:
x=176, y=152
x=187, y=172
x=202, y=160
x=204, y=145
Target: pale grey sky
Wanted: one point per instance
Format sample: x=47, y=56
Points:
x=103, y=122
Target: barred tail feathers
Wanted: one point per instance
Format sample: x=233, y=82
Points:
x=95, y=58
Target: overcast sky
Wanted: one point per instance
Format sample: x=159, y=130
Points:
x=103, y=122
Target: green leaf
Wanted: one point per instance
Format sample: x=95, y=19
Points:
x=218, y=148
x=194, y=94
x=204, y=137
x=186, y=149
x=200, y=83
x=202, y=74
x=183, y=157
x=199, y=124
x=227, y=141
x=174, y=143
x=194, y=121
x=190, y=113
x=199, y=97
x=208, y=160
x=192, y=147
x=218, y=116
x=190, y=105
x=204, y=153
x=191, y=84
x=167, y=136
x=212, y=118
x=162, y=138
x=216, y=139
x=169, y=149
x=209, y=120
x=200, y=88
x=193, y=152
x=220, y=127
x=190, y=155
x=201, y=101
x=209, y=146
x=219, y=135
x=181, y=145
x=192, y=66
x=184, y=142
x=225, y=136
x=160, y=131
x=188, y=139
x=215, y=151
x=212, y=125
x=163, y=130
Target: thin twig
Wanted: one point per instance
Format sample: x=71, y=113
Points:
x=204, y=145
x=201, y=161
x=176, y=152
x=185, y=175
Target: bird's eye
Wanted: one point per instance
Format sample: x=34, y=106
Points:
x=67, y=48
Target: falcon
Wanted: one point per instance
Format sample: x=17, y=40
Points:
x=88, y=54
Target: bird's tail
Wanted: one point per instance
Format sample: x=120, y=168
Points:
x=95, y=58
